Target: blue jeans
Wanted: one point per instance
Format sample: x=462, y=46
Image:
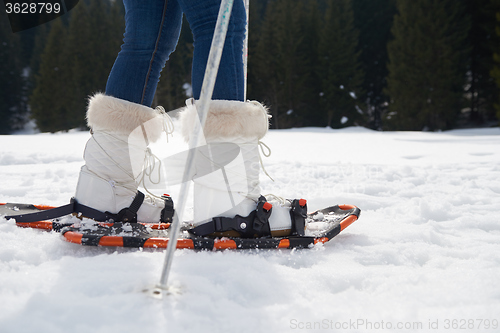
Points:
x=152, y=29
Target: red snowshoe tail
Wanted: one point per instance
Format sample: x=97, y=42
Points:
x=44, y=225
x=44, y=207
x=12, y=210
x=39, y=207
x=350, y=219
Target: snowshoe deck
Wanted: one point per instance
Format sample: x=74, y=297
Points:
x=322, y=226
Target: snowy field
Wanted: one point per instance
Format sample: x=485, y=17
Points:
x=423, y=257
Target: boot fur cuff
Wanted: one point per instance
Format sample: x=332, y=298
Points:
x=229, y=119
x=107, y=113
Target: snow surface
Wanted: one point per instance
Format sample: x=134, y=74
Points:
x=425, y=251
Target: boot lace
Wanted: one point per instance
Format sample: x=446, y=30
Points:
x=151, y=161
x=150, y=165
x=266, y=153
x=168, y=124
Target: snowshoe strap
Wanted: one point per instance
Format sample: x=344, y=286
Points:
x=125, y=215
x=129, y=214
x=72, y=207
x=256, y=224
x=298, y=214
x=44, y=214
x=167, y=213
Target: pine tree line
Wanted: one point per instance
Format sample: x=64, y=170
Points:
x=388, y=64
x=495, y=72
x=427, y=70
x=385, y=64
x=75, y=63
x=12, y=80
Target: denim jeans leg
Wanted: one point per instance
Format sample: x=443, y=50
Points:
x=202, y=17
x=152, y=30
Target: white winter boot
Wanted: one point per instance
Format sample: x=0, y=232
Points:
x=228, y=198
x=114, y=160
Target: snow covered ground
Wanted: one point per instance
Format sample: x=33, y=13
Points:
x=424, y=255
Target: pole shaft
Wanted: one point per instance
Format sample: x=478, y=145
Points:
x=197, y=137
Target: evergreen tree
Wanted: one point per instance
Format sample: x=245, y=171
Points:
x=340, y=71
x=48, y=102
x=310, y=110
x=27, y=57
x=75, y=64
x=262, y=63
x=278, y=60
x=92, y=46
x=12, y=105
x=257, y=12
x=495, y=72
x=79, y=57
x=374, y=19
x=41, y=35
x=426, y=69
x=481, y=89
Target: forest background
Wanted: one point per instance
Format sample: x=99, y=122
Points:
x=382, y=64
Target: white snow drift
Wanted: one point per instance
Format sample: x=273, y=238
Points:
x=424, y=255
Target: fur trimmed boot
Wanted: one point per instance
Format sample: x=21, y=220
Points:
x=115, y=156
x=229, y=198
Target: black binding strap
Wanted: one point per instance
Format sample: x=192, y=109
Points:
x=44, y=214
x=167, y=213
x=298, y=214
x=125, y=215
x=256, y=224
x=72, y=207
x=129, y=214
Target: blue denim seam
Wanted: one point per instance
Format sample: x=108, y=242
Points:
x=154, y=52
x=233, y=56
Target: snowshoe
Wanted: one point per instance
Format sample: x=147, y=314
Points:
x=320, y=227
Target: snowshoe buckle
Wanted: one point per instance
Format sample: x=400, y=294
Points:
x=167, y=213
x=130, y=214
x=298, y=214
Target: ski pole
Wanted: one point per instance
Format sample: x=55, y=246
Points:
x=205, y=97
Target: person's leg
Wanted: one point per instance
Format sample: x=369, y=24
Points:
x=228, y=200
x=122, y=122
x=202, y=17
x=152, y=30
